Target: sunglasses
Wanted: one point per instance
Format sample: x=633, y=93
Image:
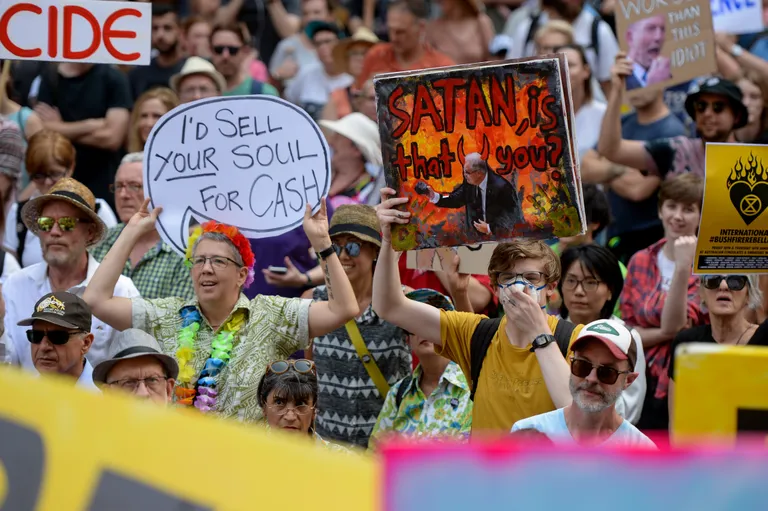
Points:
x=605, y=374
x=66, y=223
x=735, y=282
x=56, y=337
x=233, y=50
x=352, y=248
x=717, y=106
x=302, y=366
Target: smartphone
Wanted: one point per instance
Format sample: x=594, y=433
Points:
x=282, y=270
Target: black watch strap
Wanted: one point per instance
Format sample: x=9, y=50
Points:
x=325, y=254
x=542, y=341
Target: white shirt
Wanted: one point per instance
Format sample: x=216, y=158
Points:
x=554, y=426
x=435, y=197
x=86, y=378
x=589, y=118
x=313, y=86
x=666, y=270
x=582, y=33
x=33, y=253
x=21, y=292
x=640, y=73
x=10, y=266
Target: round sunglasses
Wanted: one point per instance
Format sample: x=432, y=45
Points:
x=605, y=374
x=302, y=366
x=352, y=248
x=734, y=282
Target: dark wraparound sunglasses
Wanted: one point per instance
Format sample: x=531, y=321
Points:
x=605, y=374
x=717, y=106
x=233, y=50
x=735, y=282
x=57, y=337
x=352, y=248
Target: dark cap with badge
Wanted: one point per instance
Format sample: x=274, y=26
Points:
x=61, y=309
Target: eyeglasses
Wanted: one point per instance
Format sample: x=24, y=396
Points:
x=217, y=262
x=605, y=374
x=734, y=282
x=717, y=106
x=352, y=248
x=57, y=337
x=280, y=407
x=588, y=285
x=534, y=277
x=199, y=91
x=42, y=176
x=66, y=223
x=155, y=384
x=302, y=366
x=233, y=50
x=131, y=187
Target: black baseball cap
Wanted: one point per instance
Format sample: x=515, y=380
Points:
x=314, y=27
x=61, y=309
x=721, y=87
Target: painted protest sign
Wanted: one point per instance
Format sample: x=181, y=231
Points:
x=721, y=408
x=733, y=230
x=484, y=153
x=80, y=31
x=249, y=161
x=737, y=16
x=473, y=259
x=669, y=41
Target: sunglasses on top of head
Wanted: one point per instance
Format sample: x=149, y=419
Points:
x=734, y=282
x=352, y=248
x=302, y=366
x=605, y=374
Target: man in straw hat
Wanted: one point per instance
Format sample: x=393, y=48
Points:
x=198, y=79
x=60, y=337
x=66, y=222
x=137, y=365
x=356, y=161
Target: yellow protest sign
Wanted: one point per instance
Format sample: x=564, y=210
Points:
x=65, y=449
x=720, y=391
x=733, y=231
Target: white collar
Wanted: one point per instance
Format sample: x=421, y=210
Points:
x=484, y=183
x=86, y=377
x=39, y=272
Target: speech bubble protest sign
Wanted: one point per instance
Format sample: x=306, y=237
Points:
x=249, y=161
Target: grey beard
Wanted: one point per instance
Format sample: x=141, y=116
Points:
x=607, y=399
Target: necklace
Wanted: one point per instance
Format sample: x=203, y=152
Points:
x=202, y=393
x=738, y=341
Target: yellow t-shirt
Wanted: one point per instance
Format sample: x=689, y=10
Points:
x=511, y=385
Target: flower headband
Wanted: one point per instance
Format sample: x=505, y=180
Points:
x=238, y=240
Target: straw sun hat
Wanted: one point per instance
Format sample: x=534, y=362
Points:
x=362, y=37
x=198, y=66
x=359, y=220
x=72, y=192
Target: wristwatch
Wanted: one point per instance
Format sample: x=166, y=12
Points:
x=737, y=51
x=542, y=341
x=325, y=254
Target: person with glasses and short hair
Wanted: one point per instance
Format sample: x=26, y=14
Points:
x=730, y=299
x=153, y=266
x=287, y=394
x=350, y=398
x=136, y=365
x=603, y=365
x=229, y=47
x=66, y=222
x=198, y=79
x=50, y=158
x=715, y=104
x=60, y=337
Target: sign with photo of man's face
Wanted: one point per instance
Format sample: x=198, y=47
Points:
x=668, y=42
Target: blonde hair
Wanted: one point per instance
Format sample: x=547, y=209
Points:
x=555, y=26
x=169, y=100
x=505, y=255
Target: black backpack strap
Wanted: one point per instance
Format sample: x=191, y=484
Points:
x=563, y=333
x=401, y=390
x=595, y=39
x=2, y=261
x=478, y=347
x=532, y=29
x=21, y=232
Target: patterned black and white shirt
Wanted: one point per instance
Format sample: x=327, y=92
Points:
x=349, y=402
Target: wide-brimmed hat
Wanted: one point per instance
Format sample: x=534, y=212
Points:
x=721, y=87
x=70, y=191
x=198, y=66
x=359, y=220
x=362, y=131
x=362, y=37
x=133, y=343
x=61, y=309
x=11, y=149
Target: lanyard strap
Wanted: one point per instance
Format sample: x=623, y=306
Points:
x=365, y=357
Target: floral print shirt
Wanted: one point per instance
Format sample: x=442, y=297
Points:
x=275, y=327
x=447, y=412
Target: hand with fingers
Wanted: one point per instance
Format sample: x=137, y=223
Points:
x=291, y=278
x=622, y=68
x=685, y=251
x=450, y=261
x=143, y=221
x=387, y=213
x=316, y=227
x=660, y=70
x=524, y=311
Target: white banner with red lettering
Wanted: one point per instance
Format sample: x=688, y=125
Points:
x=96, y=32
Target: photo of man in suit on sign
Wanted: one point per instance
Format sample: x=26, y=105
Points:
x=492, y=203
x=645, y=40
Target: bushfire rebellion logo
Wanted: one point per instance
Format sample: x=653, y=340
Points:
x=748, y=188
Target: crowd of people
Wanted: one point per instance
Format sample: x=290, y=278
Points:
x=571, y=339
